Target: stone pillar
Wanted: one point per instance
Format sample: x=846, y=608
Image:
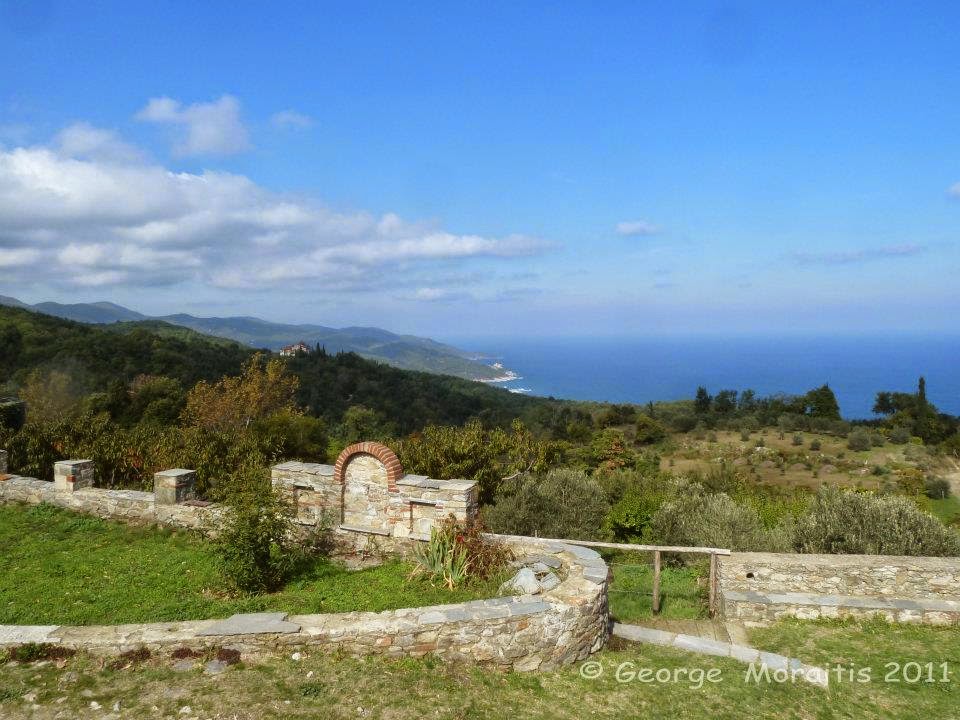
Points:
x=71, y=475
x=171, y=487
x=3, y=462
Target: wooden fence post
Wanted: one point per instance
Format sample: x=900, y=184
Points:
x=713, y=584
x=656, y=582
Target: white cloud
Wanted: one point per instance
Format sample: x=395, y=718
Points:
x=212, y=128
x=17, y=257
x=73, y=206
x=954, y=190
x=82, y=140
x=291, y=119
x=847, y=257
x=630, y=228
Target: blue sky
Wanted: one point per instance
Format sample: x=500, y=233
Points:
x=452, y=169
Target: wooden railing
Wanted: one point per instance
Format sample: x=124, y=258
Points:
x=657, y=551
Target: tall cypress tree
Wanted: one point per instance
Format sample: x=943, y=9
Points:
x=921, y=427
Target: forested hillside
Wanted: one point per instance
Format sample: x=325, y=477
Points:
x=95, y=356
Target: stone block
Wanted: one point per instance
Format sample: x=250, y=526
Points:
x=252, y=624
x=71, y=475
x=171, y=487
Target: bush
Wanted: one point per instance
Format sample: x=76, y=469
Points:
x=798, y=439
x=13, y=413
x=859, y=440
x=936, y=488
x=442, y=558
x=253, y=539
x=561, y=504
x=683, y=422
x=876, y=439
x=815, y=445
x=649, y=431
x=459, y=551
x=859, y=524
x=900, y=435
x=716, y=521
x=744, y=435
x=635, y=498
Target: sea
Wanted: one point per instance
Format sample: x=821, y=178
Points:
x=641, y=369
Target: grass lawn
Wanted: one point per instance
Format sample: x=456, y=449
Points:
x=682, y=595
x=61, y=568
x=947, y=509
x=332, y=687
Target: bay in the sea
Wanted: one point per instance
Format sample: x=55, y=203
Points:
x=638, y=370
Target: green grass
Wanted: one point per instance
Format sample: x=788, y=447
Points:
x=337, y=687
x=947, y=509
x=58, y=567
x=631, y=592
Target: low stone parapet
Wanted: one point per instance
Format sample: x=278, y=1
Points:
x=545, y=631
x=763, y=587
x=755, y=608
x=126, y=505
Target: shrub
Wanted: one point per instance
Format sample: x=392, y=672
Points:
x=253, y=538
x=634, y=507
x=798, y=439
x=936, y=488
x=744, y=435
x=750, y=424
x=458, y=551
x=900, y=435
x=561, y=504
x=815, y=445
x=859, y=440
x=716, y=521
x=649, y=431
x=854, y=523
x=13, y=413
x=442, y=558
x=876, y=439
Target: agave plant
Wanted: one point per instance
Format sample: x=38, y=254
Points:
x=442, y=557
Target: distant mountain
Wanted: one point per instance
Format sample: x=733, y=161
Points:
x=403, y=351
x=97, y=313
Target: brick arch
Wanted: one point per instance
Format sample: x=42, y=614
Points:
x=381, y=452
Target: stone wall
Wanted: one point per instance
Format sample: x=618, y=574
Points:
x=126, y=505
x=366, y=499
x=762, y=587
x=366, y=494
x=525, y=633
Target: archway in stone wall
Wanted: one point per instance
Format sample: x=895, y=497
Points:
x=368, y=473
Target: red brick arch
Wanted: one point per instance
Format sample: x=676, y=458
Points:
x=381, y=452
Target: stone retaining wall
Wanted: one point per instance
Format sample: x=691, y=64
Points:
x=126, y=505
x=762, y=587
x=530, y=632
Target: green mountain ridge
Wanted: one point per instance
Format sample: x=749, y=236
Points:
x=98, y=356
x=408, y=352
